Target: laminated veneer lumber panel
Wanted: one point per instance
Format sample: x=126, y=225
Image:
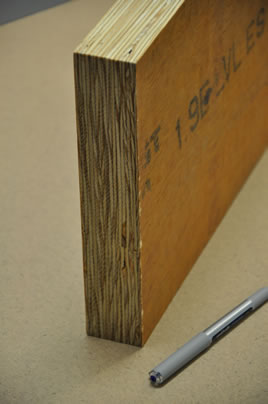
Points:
x=171, y=101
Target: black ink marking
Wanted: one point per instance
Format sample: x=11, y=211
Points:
x=207, y=96
x=147, y=187
x=178, y=128
x=260, y=22
x=216, y=84
x=155, y=139
x=147, y=155
x=235, y=64
x=220, y=90
x=148, y=184
x=204, y=99
x=227, y=71
x=194, y=112
x=250, y=41
x=227, y=68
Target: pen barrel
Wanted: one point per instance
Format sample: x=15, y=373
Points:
x=259, y=297
x=183, y=355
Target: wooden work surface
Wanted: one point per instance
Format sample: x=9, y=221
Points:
x=45, y=356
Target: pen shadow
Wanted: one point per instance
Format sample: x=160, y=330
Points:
x=215, y=342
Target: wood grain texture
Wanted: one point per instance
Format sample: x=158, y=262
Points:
x=107, y=146
x=128, y=29
x=158, y=173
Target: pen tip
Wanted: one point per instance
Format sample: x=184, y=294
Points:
x=153, y=378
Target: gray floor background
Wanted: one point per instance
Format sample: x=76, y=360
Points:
x=11, y=10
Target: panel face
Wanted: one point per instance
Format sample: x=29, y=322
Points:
x=202, y=124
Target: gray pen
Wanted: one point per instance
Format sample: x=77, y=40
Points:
x=204, y=339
